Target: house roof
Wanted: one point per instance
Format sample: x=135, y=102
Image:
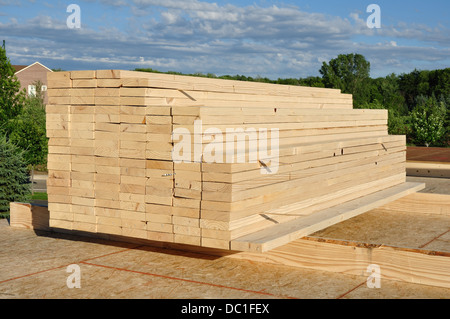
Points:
x=20, y=68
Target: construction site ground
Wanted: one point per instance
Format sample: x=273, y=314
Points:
x=35, y=265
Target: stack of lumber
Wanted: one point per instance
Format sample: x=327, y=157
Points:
x=116, y=168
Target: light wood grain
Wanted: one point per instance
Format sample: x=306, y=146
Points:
x=112, y=169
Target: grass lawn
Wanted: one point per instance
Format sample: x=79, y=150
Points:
x=39, y=196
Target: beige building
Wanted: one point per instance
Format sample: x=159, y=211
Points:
x=29, y=74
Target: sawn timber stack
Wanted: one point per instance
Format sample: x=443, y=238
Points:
x=148, y=156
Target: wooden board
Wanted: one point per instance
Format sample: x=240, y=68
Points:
x=24, y=215
x=281, y=234
x=418, y=266
x=428, y=169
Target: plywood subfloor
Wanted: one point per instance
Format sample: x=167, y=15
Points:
x=34, y=266
x=400, y=229
x=432, y=185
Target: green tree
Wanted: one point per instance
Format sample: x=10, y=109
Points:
x=408, y=84
x=289, y=81
x=14, y=180
x=389, y=92
x=426, y=83
x=350, y=73
x=399, y=124
x=428, y=122
x=373, y=105
x=29, y=131
x=150, y=70
x=447, y=126
x=440, y=82
x=312, y=81
x=11, y=96
x=445, y=101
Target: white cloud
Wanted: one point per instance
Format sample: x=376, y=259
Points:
x=170, y=17
x=192, y=35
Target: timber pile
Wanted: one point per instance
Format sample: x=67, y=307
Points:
x=111, y=169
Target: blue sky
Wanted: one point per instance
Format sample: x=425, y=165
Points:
x=265, y=38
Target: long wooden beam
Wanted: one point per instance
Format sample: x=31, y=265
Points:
x=281, y=234
x=428, y=169
x=417, y=266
